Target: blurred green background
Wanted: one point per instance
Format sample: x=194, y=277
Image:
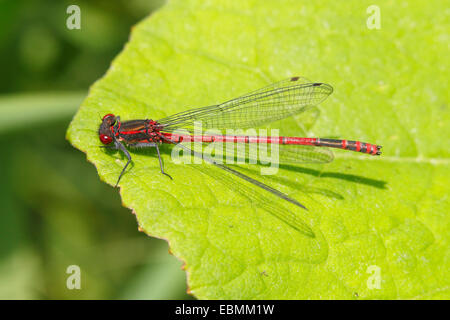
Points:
x=55, y=210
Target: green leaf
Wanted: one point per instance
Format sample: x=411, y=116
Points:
x=374, y=218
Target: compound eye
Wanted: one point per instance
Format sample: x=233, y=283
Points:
x=108, y=115
x=105, y=139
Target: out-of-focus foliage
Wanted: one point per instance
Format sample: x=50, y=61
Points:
x=387, y=213
x=55, y=212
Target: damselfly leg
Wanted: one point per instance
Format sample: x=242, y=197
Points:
x=118, y=146
x=147, y=145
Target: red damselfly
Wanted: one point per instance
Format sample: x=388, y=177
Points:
x=274, y=102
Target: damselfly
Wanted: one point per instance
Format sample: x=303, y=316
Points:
x=274, y=102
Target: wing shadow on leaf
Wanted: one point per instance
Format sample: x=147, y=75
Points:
x=380, y=184
x=293, y=184
x=262, y=199
x=259, y=198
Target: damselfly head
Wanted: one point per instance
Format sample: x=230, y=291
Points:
x=106, y=131
x=109, y=117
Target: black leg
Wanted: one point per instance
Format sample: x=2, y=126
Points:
x=160, y=162
x=147, y=145
x=120, y=146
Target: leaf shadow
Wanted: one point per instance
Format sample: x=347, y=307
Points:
x=259, y=198
x=379, y=184
x=262, y=199
x=294, y=184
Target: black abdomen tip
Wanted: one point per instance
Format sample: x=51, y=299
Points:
x=378, y=150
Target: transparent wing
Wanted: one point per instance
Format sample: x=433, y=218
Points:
x=289, y=217
x=284, y=215
x=282, y=154
x=262, y=153
x=274, y=102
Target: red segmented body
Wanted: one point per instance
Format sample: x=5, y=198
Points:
x=149, y=131
x=332, y=143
